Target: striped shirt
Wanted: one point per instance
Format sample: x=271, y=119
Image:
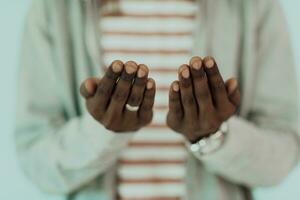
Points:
x=158, y=33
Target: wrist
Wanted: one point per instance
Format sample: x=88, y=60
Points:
x=210, y=143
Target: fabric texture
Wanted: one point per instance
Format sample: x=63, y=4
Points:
x=64, y=151
x=159, y=34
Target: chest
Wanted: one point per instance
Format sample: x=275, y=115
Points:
x=165, y=34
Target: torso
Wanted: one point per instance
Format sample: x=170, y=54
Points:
x=160, y=35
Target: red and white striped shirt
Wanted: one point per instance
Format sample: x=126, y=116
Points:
x=158, y=33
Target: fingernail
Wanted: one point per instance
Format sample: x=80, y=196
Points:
x=175, y=87
x=185, y=73
x=210, y=63
x=233, y=86
x=130, y=67
x=89, y=86
x=197, y=64
x=141, y=73
x=117, y=66
x=149, y=85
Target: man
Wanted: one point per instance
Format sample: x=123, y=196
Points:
x=119, y=141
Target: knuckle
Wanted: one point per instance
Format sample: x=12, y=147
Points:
x=204, y=93
x=134, y=99
x=120, y=95
x=188, y=100
x=104, y=90
x=218, y=85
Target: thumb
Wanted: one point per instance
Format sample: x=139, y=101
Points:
x=233, y=91
x=88, y=87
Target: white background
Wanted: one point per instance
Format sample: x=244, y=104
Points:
x=13, y=185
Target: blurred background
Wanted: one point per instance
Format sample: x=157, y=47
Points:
x=13, y=185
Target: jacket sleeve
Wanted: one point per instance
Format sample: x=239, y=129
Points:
x=57, y=154
x=263, y=149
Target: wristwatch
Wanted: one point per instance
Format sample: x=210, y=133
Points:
x=211, y=143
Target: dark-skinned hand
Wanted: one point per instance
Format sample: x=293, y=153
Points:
x=122, y=83
x=200, y=101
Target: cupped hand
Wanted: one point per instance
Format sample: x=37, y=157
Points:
x=200, y=101
x=122, y=84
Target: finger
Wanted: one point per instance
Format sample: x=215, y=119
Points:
x=216, y=83
x=145, y=112
x=233, y=91
x=88, y=87
x=107, y=84
x=123, y=87
x=201, y=87
x=175, y=113
x=137, y=92
x=186, y=91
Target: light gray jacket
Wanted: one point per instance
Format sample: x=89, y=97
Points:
x=64, y=151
